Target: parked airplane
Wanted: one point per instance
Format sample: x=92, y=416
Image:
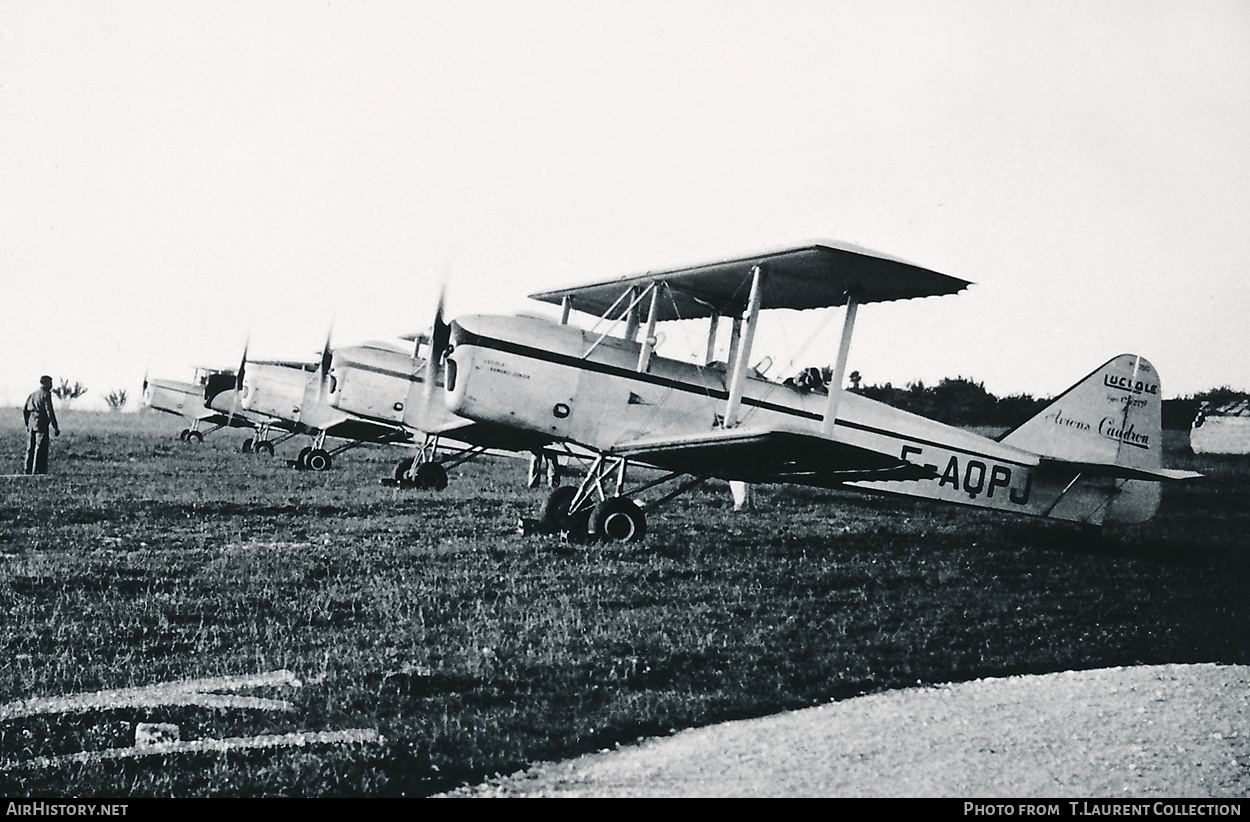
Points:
x=389, y=385
x=1091, y=456
x=195, y=401
x=297, y=393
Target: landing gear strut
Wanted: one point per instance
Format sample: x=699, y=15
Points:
x=427, y=471
x=262, y=445
x=600, y=508
x=431, y=476
x=314, y=457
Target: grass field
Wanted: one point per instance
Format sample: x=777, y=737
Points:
x=472, y=650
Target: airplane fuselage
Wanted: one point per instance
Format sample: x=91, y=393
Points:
x=279, y=391
x=298, y=396
x=172, y=396
x=546, y=377
x=386, y=385
x=389, y=386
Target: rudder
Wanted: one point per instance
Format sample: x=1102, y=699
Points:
x=1112, y=417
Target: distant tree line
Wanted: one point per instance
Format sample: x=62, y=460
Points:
x=1180, y=413
x=961, y=401
x=957, y=401
x=1220, y=396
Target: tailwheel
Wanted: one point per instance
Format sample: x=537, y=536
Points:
x=618, y=519
x=317, y=460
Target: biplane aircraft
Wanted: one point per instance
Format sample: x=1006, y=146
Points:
x=1091, y=456
x=200, y=402
x=297, y=393
x=391, y=386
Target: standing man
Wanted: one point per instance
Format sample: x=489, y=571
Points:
x=543, y=466
x=39, y=417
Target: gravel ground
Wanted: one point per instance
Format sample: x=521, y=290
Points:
x=1174, y=731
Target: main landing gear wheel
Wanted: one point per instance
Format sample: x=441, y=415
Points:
x=264, y=447
x=247, y=446
x=555, y=517
x=429, y=475
x=182, y=435
x=301, y=461
x=317, y=460
x=195, y=437
x=618, y=519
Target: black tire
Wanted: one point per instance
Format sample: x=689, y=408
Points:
x=264, y=447
x=401, y=471
x=318, y=460
x=182, y=435
x=431, y=475
x=195, y=437
x=556, y=508
x=301, y=461
x=556, y=518
x=619, y=519
x=577, y=526
x=247, y=446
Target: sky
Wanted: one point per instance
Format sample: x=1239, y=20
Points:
x=179, y=180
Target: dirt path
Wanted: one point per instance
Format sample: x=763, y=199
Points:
x=1151, y=731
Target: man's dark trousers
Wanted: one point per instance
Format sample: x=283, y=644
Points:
x=37, y=453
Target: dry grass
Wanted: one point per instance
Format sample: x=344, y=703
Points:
x=473, y=650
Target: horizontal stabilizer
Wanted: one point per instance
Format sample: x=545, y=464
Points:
x=1100, y=469
x=761, y=456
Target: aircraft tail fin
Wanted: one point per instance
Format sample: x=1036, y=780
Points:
x=1109, y=427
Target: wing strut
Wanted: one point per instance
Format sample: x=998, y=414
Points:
x=711, y=339
x=737, y=380
x=835, y=382
x=631, y=319
x=648, y=342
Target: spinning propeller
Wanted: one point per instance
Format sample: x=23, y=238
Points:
x=323, y=368
x=440, y=339
x=238, y=383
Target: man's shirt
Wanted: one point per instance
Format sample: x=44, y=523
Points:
x=39, y=409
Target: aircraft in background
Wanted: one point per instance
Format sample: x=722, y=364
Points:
x=1094, y=455
x=394, y=386
x=297, y=394
x=1221, y=428
x=196, y=402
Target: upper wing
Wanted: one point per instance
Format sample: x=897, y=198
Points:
x=755, y=455
x=817, y=276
